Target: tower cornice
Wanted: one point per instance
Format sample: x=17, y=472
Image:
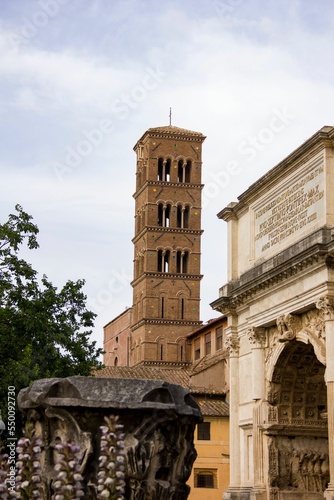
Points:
x=171, y=132
x=172, y=276
x=167, y=184
x=161, y=321
x=160, y=229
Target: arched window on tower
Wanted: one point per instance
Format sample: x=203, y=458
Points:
x=164, y=212
x=183, y=171
x=163, y=302
x=182, y=216
x=163, y=261
x=187, y=171
x=182, y=259
x=161, y=348
x=164, y=167
x=181, y=348
x=180, y=171
x=167, y=172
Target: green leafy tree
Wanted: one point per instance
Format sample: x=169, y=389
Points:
x=44, y=332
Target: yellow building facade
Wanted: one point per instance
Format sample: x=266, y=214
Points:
x=210, y=473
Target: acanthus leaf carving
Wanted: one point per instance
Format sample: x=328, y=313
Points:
x=326, y=305
x=257, y=336
x=232, y=345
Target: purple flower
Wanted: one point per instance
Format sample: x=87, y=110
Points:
x=111, y=476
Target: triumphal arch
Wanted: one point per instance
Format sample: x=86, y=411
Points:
x=279, y=300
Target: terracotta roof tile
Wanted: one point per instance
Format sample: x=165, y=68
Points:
x=180, y=376
x=172, y=132
x=171, y=129
x=213, y=407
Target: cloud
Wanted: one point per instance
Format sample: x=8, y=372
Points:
x=223, y=73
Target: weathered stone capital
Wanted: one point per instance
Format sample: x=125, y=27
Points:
x=232, y=345
x=257, y=336
x=158, y=420
x=326, y=305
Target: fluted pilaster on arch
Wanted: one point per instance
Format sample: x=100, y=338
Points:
x=232, y=344
x=257, y=337
x=326, y=305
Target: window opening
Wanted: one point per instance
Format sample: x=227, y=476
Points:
x=179, y=216
x=167, y=215
x=183, y=171
x=167, y=170
x=160, y=169
x=203, y=431
x=187, y=171
x=186, y=217
x=162, y=306
x=160, y=214
x=164, y=167
x=219, y=338
x=163, y=261
x=205, y=478
x=208, y=343
x=181, y=262
x=164, y=212
x=197, y=347
x=182, y=216
x=180, y=171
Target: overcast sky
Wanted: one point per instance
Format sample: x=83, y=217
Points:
x=82, y=80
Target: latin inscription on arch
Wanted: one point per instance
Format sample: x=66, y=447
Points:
x=286, y=214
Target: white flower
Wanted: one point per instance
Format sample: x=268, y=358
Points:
x=105, y=494
x=109, y=481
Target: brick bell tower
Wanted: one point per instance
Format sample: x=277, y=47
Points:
x=167, y=245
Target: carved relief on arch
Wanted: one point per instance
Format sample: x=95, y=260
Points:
x=288, y=325
x=308, y=328
x=314, y=328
